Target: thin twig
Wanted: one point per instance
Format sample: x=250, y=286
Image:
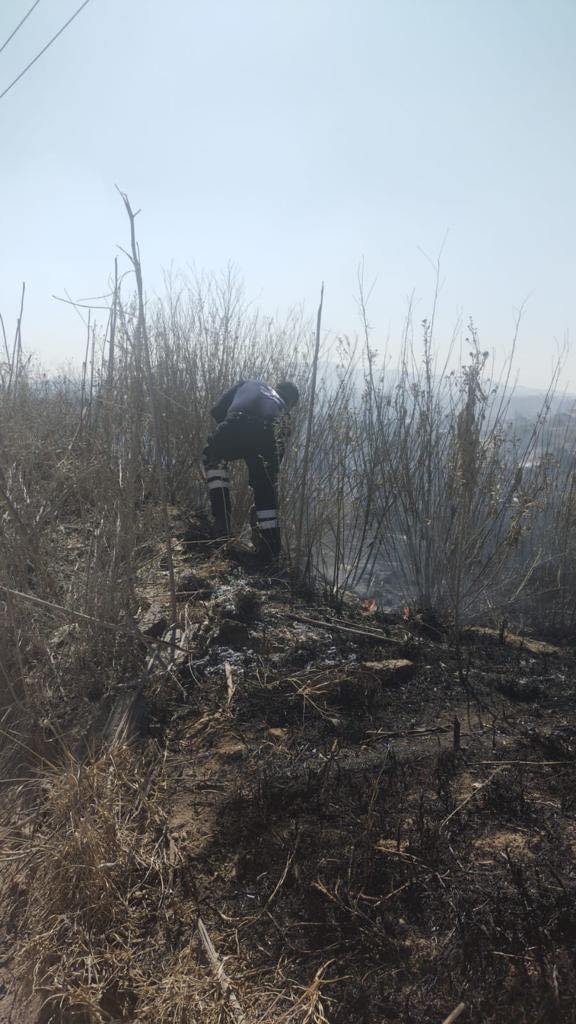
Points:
x=220, y=974
x=410, y=732
x=455, y=1014
x=470, y=797
x=230, y=684
x=528, y=764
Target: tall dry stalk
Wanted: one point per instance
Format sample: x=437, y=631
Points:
x=142, y=344
x=308, y=439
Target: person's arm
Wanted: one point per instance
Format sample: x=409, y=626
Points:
x=220, y=410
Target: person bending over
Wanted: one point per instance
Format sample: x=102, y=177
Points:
x=252, y=422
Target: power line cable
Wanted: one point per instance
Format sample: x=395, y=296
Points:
x=19, y=25
x=43, y=50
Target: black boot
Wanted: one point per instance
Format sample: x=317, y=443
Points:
x=220, y=504
x=269, y=544
x=221, y=527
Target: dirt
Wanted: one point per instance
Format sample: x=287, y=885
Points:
x=373, y=825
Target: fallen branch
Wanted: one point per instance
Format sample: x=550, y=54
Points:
x=339, y=628
x=124, y=630
x=220, y=974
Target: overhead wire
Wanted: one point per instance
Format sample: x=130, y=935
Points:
x=44, y=48
x=19, y=25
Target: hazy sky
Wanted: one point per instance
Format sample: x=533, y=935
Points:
x=294, y=137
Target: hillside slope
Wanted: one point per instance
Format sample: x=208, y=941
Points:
x=294, y=814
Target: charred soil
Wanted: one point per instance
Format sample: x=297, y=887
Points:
x=279, y=811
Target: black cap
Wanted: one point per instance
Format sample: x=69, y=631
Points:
x=288, y=392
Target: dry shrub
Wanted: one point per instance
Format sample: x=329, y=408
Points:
x=417, y=475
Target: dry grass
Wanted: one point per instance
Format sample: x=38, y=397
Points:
x=97, y=862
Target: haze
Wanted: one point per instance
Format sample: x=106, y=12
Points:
x=294, y=139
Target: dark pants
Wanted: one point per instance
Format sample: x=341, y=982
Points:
x=254, y=440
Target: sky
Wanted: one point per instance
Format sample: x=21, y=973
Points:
x=296, y=138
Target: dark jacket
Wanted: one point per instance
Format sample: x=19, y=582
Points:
x=252, y=397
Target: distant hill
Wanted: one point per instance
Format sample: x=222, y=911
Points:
x=524, y=403
x=527, y=402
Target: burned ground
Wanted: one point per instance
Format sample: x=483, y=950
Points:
x=370, y=823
